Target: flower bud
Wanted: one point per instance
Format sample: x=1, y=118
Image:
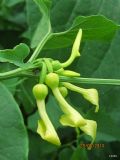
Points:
x=40, y=91
x=52, y=80
x=69, y=73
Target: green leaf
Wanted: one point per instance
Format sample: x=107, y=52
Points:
x=26, y=96
x=11, y=84
x=11, y=3
x=94, y=28
x=15, y=55
x=44, y=26
x=40, y=149
x=65, y=154
x=44, y=6
x=64, y=12
x=12, y=19
x=105, y=133
x=79, y=153
x=13, y=136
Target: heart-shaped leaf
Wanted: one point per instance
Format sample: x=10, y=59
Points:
x=15, y=55
x=13, y=136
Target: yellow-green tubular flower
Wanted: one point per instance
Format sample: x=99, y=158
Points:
x=90, y=129
x=45, y=128
x=89, y=94
x=71, y=117
x=75, y=50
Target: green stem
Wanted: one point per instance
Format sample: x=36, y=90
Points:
x=78, y=135
x=39, y=47
x=49, y=65
x=80, y=80
x=43, y=73
x=18, y=71
x=10, y=74
x=77, y=80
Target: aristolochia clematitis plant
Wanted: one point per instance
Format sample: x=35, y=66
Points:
x=49, y=77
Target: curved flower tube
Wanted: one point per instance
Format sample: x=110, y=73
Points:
x=75, y=50
x=90, y=129
x=71, y=117
x=45, y=128
x=89, y=94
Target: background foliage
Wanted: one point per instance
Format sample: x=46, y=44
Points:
x=18, y=21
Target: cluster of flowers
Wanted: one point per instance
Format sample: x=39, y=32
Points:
x=70, y=117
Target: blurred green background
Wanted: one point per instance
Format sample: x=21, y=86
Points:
x=18, y=21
